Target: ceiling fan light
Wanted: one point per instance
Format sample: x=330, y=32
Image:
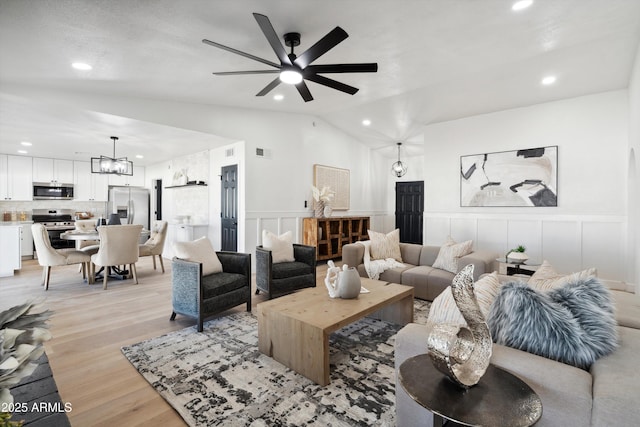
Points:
x=291, y=77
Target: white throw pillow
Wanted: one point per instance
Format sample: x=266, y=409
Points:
x=449, y=254
x=385, y=246
x=547, y=278
x=199, y=251
x=280, y=246
x=444, y=309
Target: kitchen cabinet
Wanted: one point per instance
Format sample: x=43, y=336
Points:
x=89, y=186
x=136, y=180
x=15, y=178
x=26, y=240
x=4, y=177
x=52, y=170
x=182, y=233
x=10, y=243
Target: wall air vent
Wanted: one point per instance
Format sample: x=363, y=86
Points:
x=263, y=152
x=229, y=152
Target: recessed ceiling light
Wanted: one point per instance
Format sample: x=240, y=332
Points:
x=522, y=4
x=25, y=144
x=366, y=122
x=139, y=156
x=81, y=66
x=278, y=97
x=22, y=151
x=549, y=80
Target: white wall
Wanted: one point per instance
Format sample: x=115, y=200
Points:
x=276, y=185
x=634, y=173
x=589, y=226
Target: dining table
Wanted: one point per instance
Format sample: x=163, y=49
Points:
x=115, y=272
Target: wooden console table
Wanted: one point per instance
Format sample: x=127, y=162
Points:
x=329, y=235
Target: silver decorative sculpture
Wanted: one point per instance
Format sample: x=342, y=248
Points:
x=461, y=353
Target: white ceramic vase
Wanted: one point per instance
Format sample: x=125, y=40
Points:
x=328, y=210
x=318, y=209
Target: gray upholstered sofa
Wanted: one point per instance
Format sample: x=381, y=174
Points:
x=428, y=282
x=606, y=395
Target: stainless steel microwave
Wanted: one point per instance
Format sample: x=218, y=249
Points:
x=52, y=191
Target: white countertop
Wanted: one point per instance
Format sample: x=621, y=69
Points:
x=14, y=223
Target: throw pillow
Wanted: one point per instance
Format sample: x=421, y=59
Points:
x=201, y=251
x=573, y=324
x=385, y=246
x=547, y=278
x=280, y=246
x=449, y=254
x=445, y=310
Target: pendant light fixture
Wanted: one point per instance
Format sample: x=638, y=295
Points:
x=399, y=168
x=112, y=165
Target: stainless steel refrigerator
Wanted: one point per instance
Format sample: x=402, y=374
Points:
x=130, y=203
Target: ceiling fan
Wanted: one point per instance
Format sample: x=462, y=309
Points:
x=295, y=69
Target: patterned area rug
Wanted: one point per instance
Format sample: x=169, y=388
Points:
x=219, y=378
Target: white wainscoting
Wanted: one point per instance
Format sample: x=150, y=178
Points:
x=281, y=222
x=569, y=243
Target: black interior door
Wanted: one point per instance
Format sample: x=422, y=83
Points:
x=409, y=210
x=229, y=208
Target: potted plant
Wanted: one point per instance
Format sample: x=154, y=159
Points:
x=21, y=336
x=517, y=255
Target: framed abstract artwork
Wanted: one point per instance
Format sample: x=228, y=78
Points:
x=338, y=180
x=510, y=178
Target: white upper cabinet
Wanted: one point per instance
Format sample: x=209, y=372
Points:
x=15, y=178
x=136, y=180
x=52, y=170
x=89, y=186
x=4, y=177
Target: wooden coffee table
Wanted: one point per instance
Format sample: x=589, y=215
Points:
x=294, y=329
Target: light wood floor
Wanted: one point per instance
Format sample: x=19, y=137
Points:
x=89, y=327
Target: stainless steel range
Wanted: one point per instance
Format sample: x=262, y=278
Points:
x=56, y=222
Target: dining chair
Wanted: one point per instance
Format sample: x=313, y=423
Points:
x=118, y=246
x=155, y=244
x=89, y=247
x=49, y=257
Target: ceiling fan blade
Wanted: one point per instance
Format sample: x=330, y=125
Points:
x=323, y=45
x=304, y=91
x=272, y=38
x=269, y=87
x=239, y=52
x=369, y=67
x=332, y=84
x=235, y=73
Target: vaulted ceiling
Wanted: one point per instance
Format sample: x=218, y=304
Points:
x=438, y=60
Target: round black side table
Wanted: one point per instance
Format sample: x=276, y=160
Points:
x=499, y=399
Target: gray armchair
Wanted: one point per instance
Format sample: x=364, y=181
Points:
x=285, y=277
x=201, y=296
